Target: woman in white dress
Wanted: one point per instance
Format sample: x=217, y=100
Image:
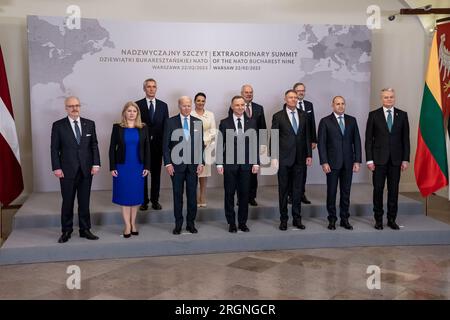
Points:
x=209, y=134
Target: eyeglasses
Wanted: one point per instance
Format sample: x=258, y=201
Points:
x=73, y=106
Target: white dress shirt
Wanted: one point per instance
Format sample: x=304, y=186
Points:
x=73, y=126
x=289, y=113
x=236, y=122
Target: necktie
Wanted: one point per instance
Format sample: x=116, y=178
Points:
x=389, y=120
x=186, y=128
x=239, y=126
x=294, y=122
x=151, y=111
x=77, y=131
x=341, y=125
x=248, y=111
x=301, y=105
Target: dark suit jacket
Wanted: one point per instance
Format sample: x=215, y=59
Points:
x=117, y=147
x=382, y=144
x=336, y=149
x=293, y=148
x=195, y=143
x=155, y=127
x=309, y=109
x=251, y=147
x=257, y=115
x=67, y=155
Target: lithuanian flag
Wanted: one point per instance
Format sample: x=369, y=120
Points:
x=430, y=167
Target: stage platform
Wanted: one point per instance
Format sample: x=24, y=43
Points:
x=37, y=227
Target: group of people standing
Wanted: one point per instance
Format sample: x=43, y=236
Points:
x=146, y=138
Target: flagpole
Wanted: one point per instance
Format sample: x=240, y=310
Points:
x=1, y=225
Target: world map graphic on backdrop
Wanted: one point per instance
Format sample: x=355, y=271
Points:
x=104, y=63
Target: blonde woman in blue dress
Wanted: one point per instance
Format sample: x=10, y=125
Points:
x=209, y=134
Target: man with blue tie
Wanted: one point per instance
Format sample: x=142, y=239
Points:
x=387, y=154
x=340, y=155
x=294, y=154
x=183, y=159
x=75, y=160
x=308, y=108
x=154, y=113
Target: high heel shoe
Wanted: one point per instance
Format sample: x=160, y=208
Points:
x=127, y=235
x=134, y=233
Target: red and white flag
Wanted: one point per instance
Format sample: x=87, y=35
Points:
x=11, y=180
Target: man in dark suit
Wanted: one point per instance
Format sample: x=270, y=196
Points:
x=154, y=113
x=237, y=158
x=295, y=152
x=183, y=159
x=387, y=154
x=340, y=156
x=75, y=159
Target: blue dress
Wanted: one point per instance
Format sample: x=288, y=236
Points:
x=128, y=186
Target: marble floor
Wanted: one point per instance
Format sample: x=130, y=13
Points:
x=420, y=272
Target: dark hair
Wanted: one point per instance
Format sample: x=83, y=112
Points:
x=236, y=97
x=200, y=94
x=299, y=84
x=289, y=91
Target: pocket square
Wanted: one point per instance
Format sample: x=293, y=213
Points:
x=88, y=135
x=308, y=111
x=195, y=130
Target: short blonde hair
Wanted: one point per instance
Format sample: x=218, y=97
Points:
x=138, y=123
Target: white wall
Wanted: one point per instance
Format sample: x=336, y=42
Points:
x=400, y=48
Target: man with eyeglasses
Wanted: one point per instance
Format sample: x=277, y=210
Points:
x=75, y=160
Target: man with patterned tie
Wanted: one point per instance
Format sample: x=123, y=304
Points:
x=339, y=147
x=387, y=154
x=75, y=160
x=307, y=107
x=154, y=113
x=294, y=154
x=183, y=159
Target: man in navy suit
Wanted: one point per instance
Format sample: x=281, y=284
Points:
x=183, y=159
x=237, y=157
x=387, y=154
x=294, y=153
x=75, y=159
x=154, y=113
x=340, y=156
x=307, y=107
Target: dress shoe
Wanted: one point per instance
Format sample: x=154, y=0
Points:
x=177, y=230
x=332, y=225
x=379, y=225
x=156, y=206
x=244, y=228
x=344, y=223
x=232, y=228
x=298, y=223
x=393, y=225
x=88, y=235
x=289, y=200
x=305, y=200
x=65, y=236
x=126, y=235
x=143, y=207
x=191, y=229
x=283, y=226
x=253, y=202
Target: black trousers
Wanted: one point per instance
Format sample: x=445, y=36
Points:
x=80, y=186
x=155, y=173
x=304, y=170
x=290, y=180
x=253, y=186
x=236, y=180
x=178, y=180
x=391, y=173
x=344, y=177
